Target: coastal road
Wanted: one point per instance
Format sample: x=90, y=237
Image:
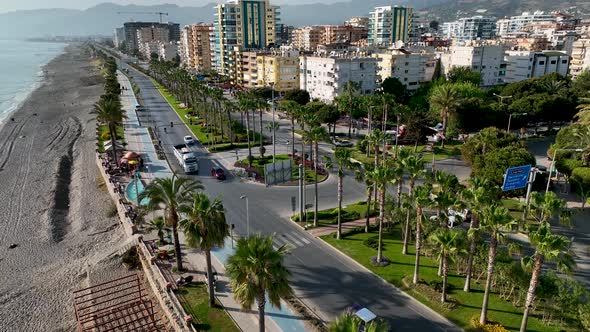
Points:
x=325, y=280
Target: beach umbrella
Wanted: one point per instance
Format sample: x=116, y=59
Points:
x=131, y=155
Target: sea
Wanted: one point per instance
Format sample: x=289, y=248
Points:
x=21, y=70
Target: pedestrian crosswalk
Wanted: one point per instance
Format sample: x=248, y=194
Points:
x=292, y=240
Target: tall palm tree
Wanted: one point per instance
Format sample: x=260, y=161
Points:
x=205, y=227
x=159, y=226
x=348, y=322
x=256, y=271
x=342, y=158
x=448, y=244
x=351, y=88
x=374, y=139
x=445, y=97
x=479, y=194
x=169, y=194
x=421, y=200
x=414, y=166
x=549, y=247
x=583, y=115
x=496, y=220
x=381, y=176
x=363, y=175
x=546, y=206
x=109, y=112
x=315, y=135
x=292, y=109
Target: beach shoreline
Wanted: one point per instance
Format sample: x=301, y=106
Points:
x=55, y=204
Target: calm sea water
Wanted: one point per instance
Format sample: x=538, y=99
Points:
x=21, y=71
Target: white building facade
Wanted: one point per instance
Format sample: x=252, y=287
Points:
x=471, y=28
x=411, y=69
x=513, y=25
x=580, y=60
x=485, y=59
x=325, y=77
x=522, y=65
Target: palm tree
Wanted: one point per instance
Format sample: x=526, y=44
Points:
x=157, y=224
x=421, y=200
x=414, y=166
x=495, y=221
x=546, y=206
x=256, y=271
x=315, y=135
x=448, y=244
x=479, y=194
x=205, y=227
x=348, y=322
x=350, y=90
x=292, y=109
x=363, y=175
x=548, y=247
x=169, y=194
x=583, y=114
x=446, y=98
x=375, y=138
x=342, y=158
x=380, y=176
x=109, y=112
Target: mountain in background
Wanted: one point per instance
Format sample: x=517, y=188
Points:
x=103, y=19
x=453, y=9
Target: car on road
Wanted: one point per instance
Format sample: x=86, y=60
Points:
x=189, y=140
x=218, y=173
x=342, y=143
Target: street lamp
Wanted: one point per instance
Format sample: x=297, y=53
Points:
x=274, y=128
x=247, y=214
x=553, y=165
x=510, y=119
x=502, y=106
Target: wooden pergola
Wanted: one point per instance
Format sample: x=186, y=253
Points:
x=118, y=305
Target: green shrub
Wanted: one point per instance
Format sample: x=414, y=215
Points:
x=372, y=242
x=581, y=180
x=567, y=166
x=112, y=211
x=131, y=258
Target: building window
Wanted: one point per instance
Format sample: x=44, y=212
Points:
x=553, y=62
x=541, y=62
x=564, y=61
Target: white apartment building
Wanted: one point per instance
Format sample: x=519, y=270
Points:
x=325, y=77
x=502, y=27
x=196, y=49
x=119, y=37
x=514, y=24
x=580, y=60
x=485, y=59
x=411, y=69
x=165, y=51
x=471, y=28
x=521, y=65
x=389, y=24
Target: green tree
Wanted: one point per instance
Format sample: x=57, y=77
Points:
x=159, y=226
x=381, y=176
x=169, y=194
x=348, y=322
x=445, y=98
x=315, y=135
x=414, y=166
x=448, y=244
x=583, y=115
x=342, y=158
x=394, y=87
x=548, y=247
x=581, y=85
x=205, y=227
x=493, y=164
x=256, y=271
x=109, y=112
x=363, y=175
x=495, y=221
x=299, y=96
x=464, y=75
x=292, y=108
x=421, y=200
x=351, y=89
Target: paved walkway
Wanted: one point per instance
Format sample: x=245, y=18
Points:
x=138, y=140
x=325, y=230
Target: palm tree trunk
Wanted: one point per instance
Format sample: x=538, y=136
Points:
x=491, y=263
x=339, y=232
x=443, y=297
x=399, y=193
x=261, y=303
x=248, y=139
x=418, y=235
x=381, y=215
x=293, y=137
x=472, y=247
x=444, y=127
x=261, y=131
x=368, y=216
x=315, y=166
x=113, y=131
x=177, y=247
x=406, y=233
x=530, y=295
x=210, y=279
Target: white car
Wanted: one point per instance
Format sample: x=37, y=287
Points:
x=189, y=140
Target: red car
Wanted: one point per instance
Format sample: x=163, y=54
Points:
x=218, y=173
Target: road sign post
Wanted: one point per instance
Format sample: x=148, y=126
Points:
x=516, y=178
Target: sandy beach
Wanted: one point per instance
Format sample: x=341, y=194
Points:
x=54, y=207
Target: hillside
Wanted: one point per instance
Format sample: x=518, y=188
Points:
x=453, y=9
x=103, y=18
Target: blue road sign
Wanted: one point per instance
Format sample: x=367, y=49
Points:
x=516, y=178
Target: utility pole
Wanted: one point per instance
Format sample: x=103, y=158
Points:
x=301, y=170
x=532, y=176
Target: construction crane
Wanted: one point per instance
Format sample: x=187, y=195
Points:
x=146, y=13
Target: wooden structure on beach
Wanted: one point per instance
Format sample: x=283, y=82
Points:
x=118, y=305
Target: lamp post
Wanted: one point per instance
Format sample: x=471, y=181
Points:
x=510, y=119
x=274, y=128
x=247, y=214
x=553, y=165
x=501, y=98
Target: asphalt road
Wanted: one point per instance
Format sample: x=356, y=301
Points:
x=324, y=279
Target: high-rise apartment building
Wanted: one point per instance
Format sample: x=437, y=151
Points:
x=521, y=65
x=131, y=29
x=580, y=60
x=343, y=34
x=513, y=25
x=119, y=37
x=358, y=21
x=307, y=38
x=153, y=33
x=470, y=28
x=195, y=47
x=247, y=24
x=389, y=24
x=411, y=69
x=486, y=59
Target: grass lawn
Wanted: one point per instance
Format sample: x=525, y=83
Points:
x=259, y=163
x=468, y=304
x=195, y=301
x=104, y=135
x=350, y=212
x=452, y=149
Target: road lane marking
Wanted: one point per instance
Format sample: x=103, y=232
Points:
x=293, y=239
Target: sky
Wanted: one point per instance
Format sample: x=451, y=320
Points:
x=11, y=5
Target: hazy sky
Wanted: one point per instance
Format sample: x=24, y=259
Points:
x=10, y=5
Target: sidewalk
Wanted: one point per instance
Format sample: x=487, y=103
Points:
x=138, y=140
x=346, y=226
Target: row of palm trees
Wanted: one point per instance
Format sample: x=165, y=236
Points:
x=256, y=270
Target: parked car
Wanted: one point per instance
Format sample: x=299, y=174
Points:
x=189, y=140
x=342, y=143
x=218, y=173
